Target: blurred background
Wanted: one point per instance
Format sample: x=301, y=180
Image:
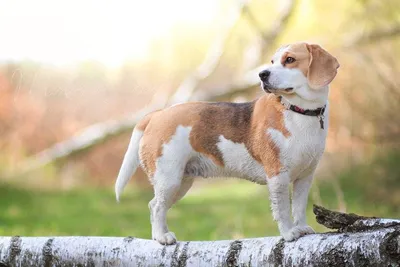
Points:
x=75, y=76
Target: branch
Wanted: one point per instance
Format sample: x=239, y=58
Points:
x=249, y=81
x=376, y=36
x=212, y=59
x=101, y=132
x=373, y=245
x=91, y=136
x=269, y=37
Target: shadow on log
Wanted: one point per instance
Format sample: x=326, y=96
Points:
x=360, y=241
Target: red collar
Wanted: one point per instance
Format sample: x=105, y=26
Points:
x=318, y=112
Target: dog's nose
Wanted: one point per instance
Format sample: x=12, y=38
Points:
x=264, y=75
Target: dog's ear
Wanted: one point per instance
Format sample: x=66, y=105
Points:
x=322, y=68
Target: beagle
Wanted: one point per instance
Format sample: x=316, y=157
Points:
x=274, y=140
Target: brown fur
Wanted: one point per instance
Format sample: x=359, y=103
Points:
x=317, y=65
x=323, y=67
x=142, y=124
x=245, y=123
x=299, y=52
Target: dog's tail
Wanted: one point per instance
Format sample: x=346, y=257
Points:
x=131, y=159
x=129, y=164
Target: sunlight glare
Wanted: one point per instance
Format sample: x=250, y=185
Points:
x=111, y=32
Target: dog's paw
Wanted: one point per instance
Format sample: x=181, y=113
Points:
x=297, y=232
x=166, y=239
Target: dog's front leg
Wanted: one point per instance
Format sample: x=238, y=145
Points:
x=301, y=189
x=280, y=203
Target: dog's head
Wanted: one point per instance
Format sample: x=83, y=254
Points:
x=299, y=68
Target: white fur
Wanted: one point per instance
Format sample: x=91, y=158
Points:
x=239, y=162
x=129, y=164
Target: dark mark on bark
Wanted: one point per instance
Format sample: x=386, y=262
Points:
x=390, y=246
x=251, y=256
x=178, y=261
x=14, y=249
x=174, y=258
x=335, y=256
x=276, y=257
x=164, y=251
x=129, y=239
x=183, y=256
x=3, y=264
x=47, y=252
x=360, y=259
x=90, y=263
x=233, y=253
x=262, y=259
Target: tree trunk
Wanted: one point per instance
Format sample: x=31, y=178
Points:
x=360, y=241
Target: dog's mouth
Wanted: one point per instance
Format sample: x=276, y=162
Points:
x=288, y=90
x=273, y=90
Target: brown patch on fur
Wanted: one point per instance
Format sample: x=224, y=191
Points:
x=161, y=128
x=245, y=123
x=268, y=114
x=232, y=120
x=299, y=52
x=323, y=67
x=317, y=64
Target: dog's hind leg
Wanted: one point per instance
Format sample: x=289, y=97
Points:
x=165, y=191
x=187, y=183
x=168, y=183
x=183, y=189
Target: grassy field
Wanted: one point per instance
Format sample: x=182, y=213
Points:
x=223, y=210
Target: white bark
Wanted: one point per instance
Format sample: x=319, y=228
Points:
x=361, y=241
x=375, y=247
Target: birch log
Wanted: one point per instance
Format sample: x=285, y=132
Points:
x=360, y=241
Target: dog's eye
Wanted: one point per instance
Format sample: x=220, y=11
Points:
x=289, y=60
x=272, y=61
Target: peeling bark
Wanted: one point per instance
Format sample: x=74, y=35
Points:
x=362, y=241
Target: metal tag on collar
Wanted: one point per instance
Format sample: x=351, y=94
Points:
x=321, y=121
x=321, y=118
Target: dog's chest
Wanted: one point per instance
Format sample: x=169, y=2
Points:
x=302, y=150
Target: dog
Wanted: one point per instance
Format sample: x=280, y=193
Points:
x=275, y=140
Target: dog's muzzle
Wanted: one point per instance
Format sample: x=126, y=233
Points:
x=267, y=87
x=264, y=75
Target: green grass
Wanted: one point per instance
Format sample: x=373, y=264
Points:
x=236, y=209
x=223, y=210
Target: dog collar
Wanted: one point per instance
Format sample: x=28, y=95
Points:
x=319, y=112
